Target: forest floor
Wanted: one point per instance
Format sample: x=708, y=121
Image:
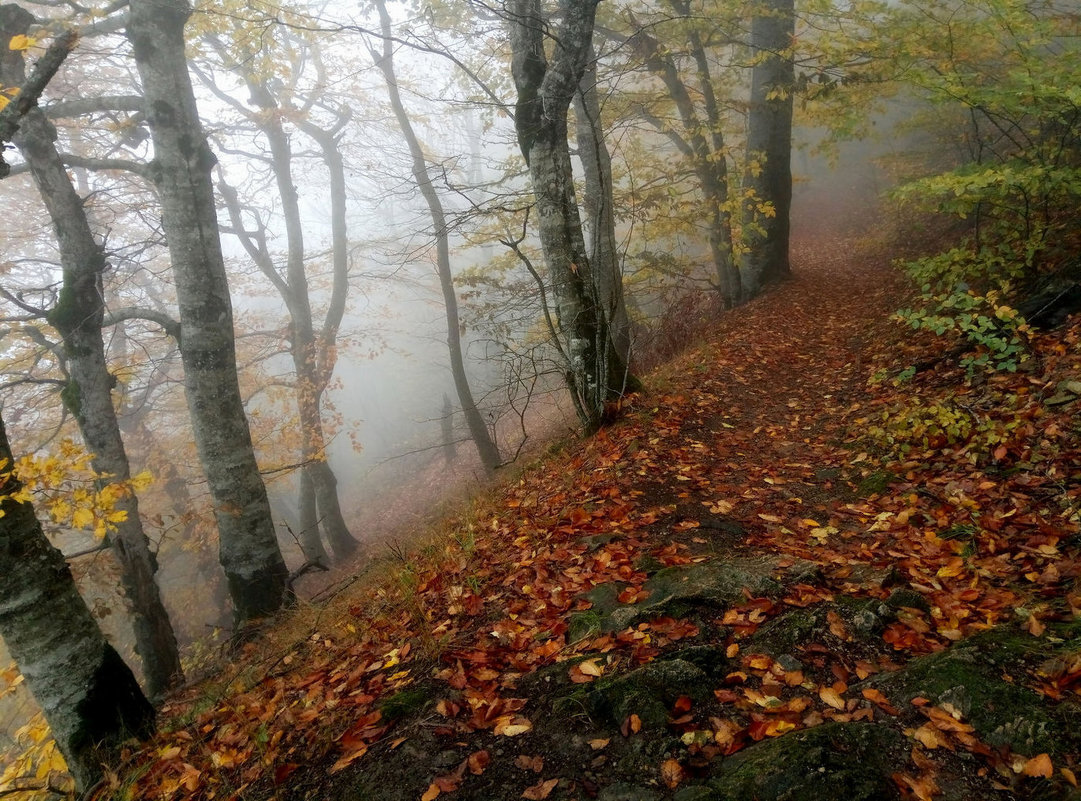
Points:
x=786, y=573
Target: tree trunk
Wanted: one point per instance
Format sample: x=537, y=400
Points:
x=597, y=201
x=478, y=428
x=78, y=317
x=706, y=154
x=308, y=521
x=248, y=550
x=545, y=92
x=769, y=146
x=88, y=695
x=309, y=384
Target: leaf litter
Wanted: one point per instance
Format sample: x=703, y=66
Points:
x=456, y=675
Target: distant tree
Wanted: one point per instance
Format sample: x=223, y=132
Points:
x=545, y=91
x=310, y=346
x=478, y=428
x=248, y=548
x=769, y=147
x=78, y=316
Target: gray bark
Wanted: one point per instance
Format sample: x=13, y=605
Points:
x=545, y=91
x=304, y=348
x=598, y=204
x=702, y=142
x=248, y=549
x=78, y=317
x=90, y=698
x=769, y=143
x=478, y=429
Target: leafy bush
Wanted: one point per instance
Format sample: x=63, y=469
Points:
x=997, y=331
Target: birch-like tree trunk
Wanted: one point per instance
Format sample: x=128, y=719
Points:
x=545, y=91
x=598, y=204
x=769, y=146
x=78, y=317
x=248, y=548
x=88, y=695
x=478, y=428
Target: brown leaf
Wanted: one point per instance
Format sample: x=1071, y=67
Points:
x=526, y=762
x=671, y=773
x=540, y=790
x=1039, y=765
x=478, y=761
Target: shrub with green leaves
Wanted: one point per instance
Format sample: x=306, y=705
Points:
x=996, y=331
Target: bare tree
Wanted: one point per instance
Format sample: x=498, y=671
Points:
x=478, y=429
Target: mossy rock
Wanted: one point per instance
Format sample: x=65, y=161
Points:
x=718, y=583
x=683, y=591
x=649, y=692
x=982, y=678
x=850, y=761
x=627, y=792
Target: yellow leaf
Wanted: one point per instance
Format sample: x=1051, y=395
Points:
x=832, y=697
x=21, y=42
x=81, y=518
x=590, y=668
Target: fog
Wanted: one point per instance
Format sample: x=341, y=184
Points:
x=386, y=407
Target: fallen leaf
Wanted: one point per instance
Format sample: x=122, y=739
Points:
x=526, y=762
x=831, y=697
x=431, y=793
x=1039, y=765
x=540, y=790
x=598, y=744
x=671, y=773
x=478, y=761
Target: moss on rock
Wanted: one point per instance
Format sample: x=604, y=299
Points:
x=853, y=761
x=649, y=692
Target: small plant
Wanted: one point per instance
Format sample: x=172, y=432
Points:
x=997, y=331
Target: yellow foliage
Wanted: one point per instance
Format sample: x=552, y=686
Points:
x=65, y=486
x=21, y=42
x=38, y=770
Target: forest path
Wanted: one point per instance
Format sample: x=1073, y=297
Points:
x=733, y=593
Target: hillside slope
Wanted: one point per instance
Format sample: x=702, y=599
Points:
x=775, y=579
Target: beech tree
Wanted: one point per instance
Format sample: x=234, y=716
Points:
x=248, y=549
x=769, y=146
x=88, y=695
x=596, y=372
x=478, y=428
x=311, y=346
x=78, y=316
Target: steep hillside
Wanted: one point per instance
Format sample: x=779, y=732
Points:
x=791, y=572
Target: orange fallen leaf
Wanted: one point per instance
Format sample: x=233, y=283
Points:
x=599, y=743
x=540, y=790
x=671, y=773
x=1039, y=765
x=478, y=761
x=526, y=762
x=431, y=793
x=831, y=697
